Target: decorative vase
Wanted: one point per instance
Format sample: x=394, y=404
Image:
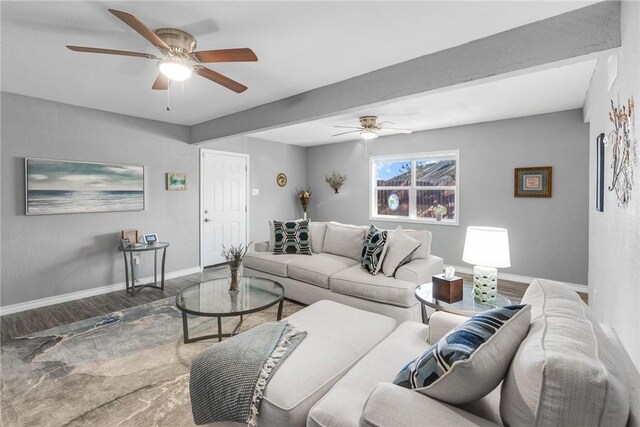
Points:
x=304, y=214
x=233, y=282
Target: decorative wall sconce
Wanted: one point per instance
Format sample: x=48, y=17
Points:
x=624, y=151
x=335, y=180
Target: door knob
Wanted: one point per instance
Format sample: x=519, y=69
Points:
x=207, y=220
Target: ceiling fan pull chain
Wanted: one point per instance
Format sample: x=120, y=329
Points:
x=168, y=90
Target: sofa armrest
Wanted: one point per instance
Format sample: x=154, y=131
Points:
x=262, y=246
x=392, y=405
x=440, y=323
x=420, y=270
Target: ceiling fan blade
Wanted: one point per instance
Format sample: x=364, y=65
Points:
x=111, y=51
x=344, y=133
x=140, y=28
x=161, y=83
x=399, y=130
x=348, y=127
x=219, y=78
x=382, y=123
x=225, y=55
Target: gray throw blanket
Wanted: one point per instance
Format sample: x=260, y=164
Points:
x=228, y=379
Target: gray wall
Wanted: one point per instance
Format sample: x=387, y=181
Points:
x=49, y=255
x=548, y=237
x=614, y=235
x=267, y=159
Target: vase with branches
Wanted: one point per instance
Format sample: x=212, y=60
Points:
x=304, y=195
x=335, y=180
x=234, y=256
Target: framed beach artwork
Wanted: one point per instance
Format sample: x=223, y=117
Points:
x=176, y=181
x=532, y=182
x=62, y=186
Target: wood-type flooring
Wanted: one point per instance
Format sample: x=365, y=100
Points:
x=40, y=319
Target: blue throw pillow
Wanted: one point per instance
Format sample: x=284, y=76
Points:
x=472, y=359
x=374, y=249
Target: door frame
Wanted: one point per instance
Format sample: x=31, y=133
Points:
x=248, y=192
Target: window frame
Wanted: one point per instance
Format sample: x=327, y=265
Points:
x=412, y=157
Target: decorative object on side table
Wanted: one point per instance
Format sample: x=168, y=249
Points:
x=624, y=151
x=447, y=287
x=488, y=249
x=150, y=239
x=281, y=179
x=304, y=195
x=335, y=181
x=176, y=181
x=131, y=235
x=234, y=256
x=532, y=182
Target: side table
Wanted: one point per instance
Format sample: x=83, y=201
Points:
x=468, y=306
x=131, y=287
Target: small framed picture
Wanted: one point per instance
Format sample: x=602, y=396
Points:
x=532, y=182
x=131, y=235
x=150, y=239
x=176, y=181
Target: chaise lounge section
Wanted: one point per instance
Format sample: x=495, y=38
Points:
x=334, y=271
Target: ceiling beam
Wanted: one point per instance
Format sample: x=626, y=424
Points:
x=565, y=37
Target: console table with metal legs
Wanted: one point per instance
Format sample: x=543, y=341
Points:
x=130, y=278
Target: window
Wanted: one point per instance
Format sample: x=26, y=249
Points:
x=416, y=188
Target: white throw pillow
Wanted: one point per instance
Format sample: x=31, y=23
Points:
x=317, y=231
x=400, y=247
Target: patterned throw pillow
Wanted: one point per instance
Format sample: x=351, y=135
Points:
x=291, y=237
x=472, y=359
x=374, y=249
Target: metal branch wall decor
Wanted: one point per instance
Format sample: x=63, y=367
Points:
x=335, y=181
x=624, y=151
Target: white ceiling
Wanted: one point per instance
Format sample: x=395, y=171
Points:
x=301, y=46
x=555, y=89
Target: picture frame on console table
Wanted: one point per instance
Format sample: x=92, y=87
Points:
x=533, y=182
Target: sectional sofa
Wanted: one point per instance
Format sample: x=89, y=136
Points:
x=334, y=271
x=569, y=370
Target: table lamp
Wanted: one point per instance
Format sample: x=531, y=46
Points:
x=487, y=248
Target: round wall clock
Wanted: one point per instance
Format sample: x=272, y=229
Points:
x=281, y=179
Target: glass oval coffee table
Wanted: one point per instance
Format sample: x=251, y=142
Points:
x=468, y=306
x=213, y=299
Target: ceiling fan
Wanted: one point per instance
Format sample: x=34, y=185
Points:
x=177, y=48
x=369, y=128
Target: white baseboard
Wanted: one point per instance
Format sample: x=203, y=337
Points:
x=43, y=302
x=523, y=279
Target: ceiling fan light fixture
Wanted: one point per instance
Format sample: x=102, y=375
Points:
x=175, y=69
x=368, y=134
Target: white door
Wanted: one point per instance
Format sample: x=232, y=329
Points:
x=224, y=203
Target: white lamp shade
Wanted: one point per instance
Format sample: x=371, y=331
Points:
x=487, y=246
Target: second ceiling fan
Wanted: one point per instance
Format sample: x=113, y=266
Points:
x=369, y=128
x=177, y=48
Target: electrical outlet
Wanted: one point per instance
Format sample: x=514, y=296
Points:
x=136, y=260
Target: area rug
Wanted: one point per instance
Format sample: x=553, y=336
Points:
x=129, y=368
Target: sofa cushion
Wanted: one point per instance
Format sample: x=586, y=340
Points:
x=291, y=237
x=357, y=282
x=344, y=404
x=566, y=372
x=315, y=366
x=345, y=240
x=268, y=262
x=424, y=237
x=399, y=251
x=317, y=231
x=471, y=360
x=318, y=268
x=374, y=249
